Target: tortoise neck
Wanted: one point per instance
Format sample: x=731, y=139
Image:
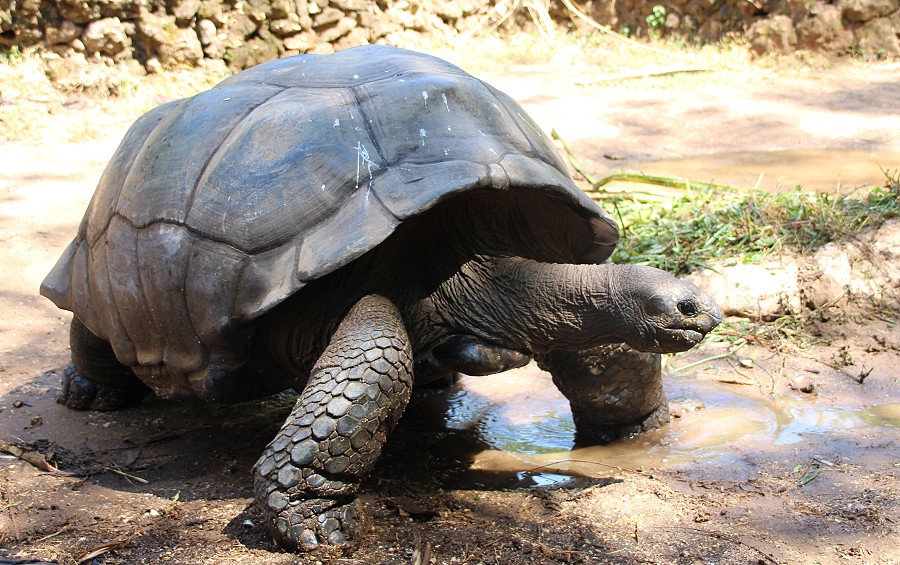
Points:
x=522, y=303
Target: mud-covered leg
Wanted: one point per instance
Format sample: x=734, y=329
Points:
x=614, y=390
x=307, y=478
x=96, y=380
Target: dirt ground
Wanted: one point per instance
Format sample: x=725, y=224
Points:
x=812, y=480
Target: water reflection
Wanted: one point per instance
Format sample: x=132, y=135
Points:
x=515, y=429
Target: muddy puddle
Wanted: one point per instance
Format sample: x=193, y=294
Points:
x=820, y=170
x=516, y=429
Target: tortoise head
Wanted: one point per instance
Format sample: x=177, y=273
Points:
x=659, y=312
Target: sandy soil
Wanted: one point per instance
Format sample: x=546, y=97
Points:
x=170, y=482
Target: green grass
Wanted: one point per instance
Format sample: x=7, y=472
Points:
x=710, y=223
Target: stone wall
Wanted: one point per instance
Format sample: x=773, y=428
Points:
x=240, y=32
x=866, y=28
x=161, y=33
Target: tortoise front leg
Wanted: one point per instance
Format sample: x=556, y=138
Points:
x=614, y=391
x=307, y=478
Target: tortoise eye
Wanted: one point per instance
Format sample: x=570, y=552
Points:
x=688, y=308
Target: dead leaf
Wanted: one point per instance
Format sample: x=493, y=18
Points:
x=35, y=458
x=102, y=549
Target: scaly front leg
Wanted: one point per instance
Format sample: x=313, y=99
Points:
x=307, y=478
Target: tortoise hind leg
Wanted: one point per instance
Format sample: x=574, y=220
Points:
x=96, y=380
x=614, y=390
x=307, y=478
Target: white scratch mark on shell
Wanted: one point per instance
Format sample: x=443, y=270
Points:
x=355, y=77
x=362, y=158
x=448, y=128
x=323, y=188
x=494, y=104
x=446, y=151
x=482, y=133
x=425, y=98
x=423, y=134
x=351, y=115
x=444, y=97
x=337, y=123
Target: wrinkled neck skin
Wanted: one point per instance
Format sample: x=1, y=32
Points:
x=529, y=305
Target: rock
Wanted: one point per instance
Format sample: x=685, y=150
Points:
x=251, y=53
x=350, y=5
x=213, y=47
x=85, y=11
x=342, y=28
x=285, y=27
x=878, y=38
x=802, y=383
x=357, y=36
x=300, y=42
x=173, y=45
x=153, y=65
x=214, y=11
x=377, y=26
x=766, y=290
x=449, y=11
x=65, y=33
x=6, y=23
x=26, y=19
x=772, y=34
x=866, y=10
x=822, y=29
x=184, y=10
x=326, y=17
x=237, y=28
x=108, y=36
x=711, y=30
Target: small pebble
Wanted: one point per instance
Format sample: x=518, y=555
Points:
x=802, y=383
x=746, y=363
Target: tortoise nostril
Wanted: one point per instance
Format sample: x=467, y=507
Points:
x=688, y=308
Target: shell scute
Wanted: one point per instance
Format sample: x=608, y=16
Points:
x=443, y=117
x=264, y=186
x=160, y=186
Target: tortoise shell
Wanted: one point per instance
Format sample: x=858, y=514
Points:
x=216, y=208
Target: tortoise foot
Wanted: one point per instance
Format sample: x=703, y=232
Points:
x=81, y=393
x=306, y=524
x=588, y=433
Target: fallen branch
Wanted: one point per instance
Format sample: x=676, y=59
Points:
x=126, y=475
x=670, y=182
x=676, y=370
x=644, y=74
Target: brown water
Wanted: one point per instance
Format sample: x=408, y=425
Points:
x=525, y=433
x=820, y=170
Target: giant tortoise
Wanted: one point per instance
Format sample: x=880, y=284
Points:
x=348, y=226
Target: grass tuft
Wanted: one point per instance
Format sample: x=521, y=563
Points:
x=713, y=222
